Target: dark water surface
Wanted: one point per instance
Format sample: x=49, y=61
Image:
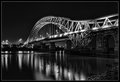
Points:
x=30, y=65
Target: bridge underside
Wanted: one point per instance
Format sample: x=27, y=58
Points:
x=102, y=41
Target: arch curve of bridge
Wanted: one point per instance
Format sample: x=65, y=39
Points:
x=49, y=20
x=60, y=26
x=80, y=31
x=63, y=24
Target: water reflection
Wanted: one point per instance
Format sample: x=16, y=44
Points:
x=76, y=76
x=20, y=60
x=5, y=59
x=57, y=65
x=2, y=60
x=82, y=76
x=48, y=69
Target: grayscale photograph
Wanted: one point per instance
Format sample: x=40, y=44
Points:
x=59, y=41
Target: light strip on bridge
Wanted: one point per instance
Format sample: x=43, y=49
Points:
x=60, y=35
x=83, y=30
x=106, y=26
x=55, y=36
x=56, y=40
x=65, y=34
x=95, y=28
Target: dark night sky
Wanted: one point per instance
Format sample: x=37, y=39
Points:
x=18, y=18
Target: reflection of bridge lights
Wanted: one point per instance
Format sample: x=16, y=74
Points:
x=65, y=73
x=48, y=69
x=40, y=63
x=2, y=60
x=36, y=63
x=76, y=76
x=63, y=55
x=32, y=56
x=61, y=71
x=28, y=58
x=56, y=71
x=70, y=75
x=82, y=77
x=20, y=61
x=6, y=61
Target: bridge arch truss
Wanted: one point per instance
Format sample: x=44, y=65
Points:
x=79, y=32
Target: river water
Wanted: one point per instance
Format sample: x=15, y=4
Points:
x=57, y=65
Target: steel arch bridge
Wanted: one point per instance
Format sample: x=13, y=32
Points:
x=78, y=31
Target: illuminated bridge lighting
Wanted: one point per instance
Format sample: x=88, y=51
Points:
x=106, y=26
x=82, y=30
x=95, y=28
x=60, y=35
x=71, y=27
x=65, y=34
x=55, y=36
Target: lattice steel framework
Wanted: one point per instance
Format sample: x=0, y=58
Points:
x=79, y=32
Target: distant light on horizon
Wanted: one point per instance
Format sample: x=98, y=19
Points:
x=10, y=42
x=5, y=42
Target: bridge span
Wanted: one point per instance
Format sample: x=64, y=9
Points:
x=100, y=33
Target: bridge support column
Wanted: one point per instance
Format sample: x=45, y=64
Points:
x=68, y=44
x=43, y=46
x=94, y=46
x=99, y=42
x=116, y=43
x=52, y=46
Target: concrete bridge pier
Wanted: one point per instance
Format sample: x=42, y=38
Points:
x=94, y=44
x=68, y=44
x=43, y=46
x=52, y=46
